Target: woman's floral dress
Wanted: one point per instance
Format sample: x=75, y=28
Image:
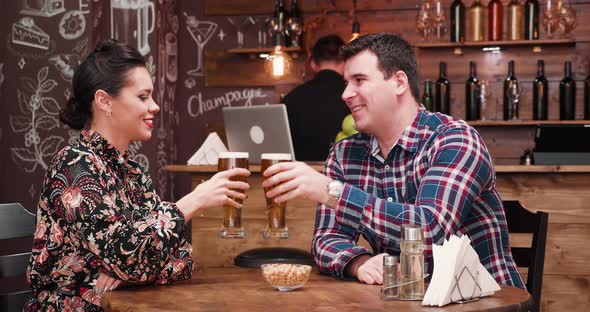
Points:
x=98, y=212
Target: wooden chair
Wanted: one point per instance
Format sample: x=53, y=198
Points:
x=15, y=222
x=520, y=220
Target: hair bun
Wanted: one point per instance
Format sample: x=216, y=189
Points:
x=105, y=45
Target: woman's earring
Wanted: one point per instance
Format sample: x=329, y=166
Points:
x=109, y=112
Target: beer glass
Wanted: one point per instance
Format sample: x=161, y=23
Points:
x=277, y=223
x=232, y=216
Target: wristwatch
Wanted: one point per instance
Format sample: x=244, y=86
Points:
x=335, y=189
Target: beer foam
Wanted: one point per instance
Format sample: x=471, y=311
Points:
x=276, y=156
x=234, y=155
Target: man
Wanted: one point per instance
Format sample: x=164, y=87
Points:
x=315, y=108
x=407, y=165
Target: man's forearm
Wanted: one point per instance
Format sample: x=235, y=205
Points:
x=354, y=264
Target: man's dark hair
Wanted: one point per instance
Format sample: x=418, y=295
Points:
x=327, y=48
x=393, y=54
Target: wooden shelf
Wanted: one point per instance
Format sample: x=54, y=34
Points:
x=515, y=123
x=262, y=50
x=476, y=44
x=536, y=45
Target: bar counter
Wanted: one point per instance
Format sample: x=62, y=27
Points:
x=239, y=289
x=562, y=191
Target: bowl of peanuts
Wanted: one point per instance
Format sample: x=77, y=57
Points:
x=285, y=277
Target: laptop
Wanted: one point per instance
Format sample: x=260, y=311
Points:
x=258, y=129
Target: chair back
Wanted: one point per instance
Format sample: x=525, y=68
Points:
x=15, y=222
x=520, y=220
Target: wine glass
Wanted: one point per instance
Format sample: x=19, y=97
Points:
x=485, y=97
x=262, y=23
x=424, y=20
x=550, y=17
x=567, y=21
x=240, y=23
x=514, y=98
x=439, y=20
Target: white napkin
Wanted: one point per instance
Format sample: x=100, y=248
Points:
x=208, y=153
x=457, y=263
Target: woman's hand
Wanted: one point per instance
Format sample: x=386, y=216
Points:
x=105, y=283
x=217, y=191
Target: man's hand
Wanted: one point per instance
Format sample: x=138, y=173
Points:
x=295, y=180
x=367, y=269
x=105, y=283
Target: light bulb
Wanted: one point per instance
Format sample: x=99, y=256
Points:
x=278, y=63
x=356, y=30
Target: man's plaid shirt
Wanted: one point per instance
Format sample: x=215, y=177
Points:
x=439, y=174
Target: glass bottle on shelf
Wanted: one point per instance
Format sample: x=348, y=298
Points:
x=472, y=94
x=531, y=20
x=442, y=91
x=587, y=98
x=540, y=93
x=476, y=21
x=514, y=31
x=495, y=17
x=457, y=21
x=567, y=95
x=427, y=99
x=511, y=94
x=294, y=27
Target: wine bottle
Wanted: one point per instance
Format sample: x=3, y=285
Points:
x=476, y=21
x=511, y=94
x=294, y=18
x=567, y=95
x=495, y=20
x=283, y=16
x=457, y=21
x=427, y=99
x=514, y=31
x=540, y=93
x=587, y=98
x=443, y=91
x=531, y=20
x=472, y=95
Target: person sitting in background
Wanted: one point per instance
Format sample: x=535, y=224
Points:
x=406, y=165
x=99, y=220
x=315, y=108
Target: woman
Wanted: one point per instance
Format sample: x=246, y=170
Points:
x=99, y=220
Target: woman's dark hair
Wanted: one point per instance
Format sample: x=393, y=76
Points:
x=105, y=69
x=393, y=54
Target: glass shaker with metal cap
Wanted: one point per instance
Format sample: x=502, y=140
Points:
x=390, y=288
x=412, y=262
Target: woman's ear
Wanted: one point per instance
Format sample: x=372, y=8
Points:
x=103, y=100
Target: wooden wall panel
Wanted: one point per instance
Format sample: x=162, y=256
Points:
x=565, y=196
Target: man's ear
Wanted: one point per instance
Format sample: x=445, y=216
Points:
x=401, y=82
x=314, y=66
x=103, y=100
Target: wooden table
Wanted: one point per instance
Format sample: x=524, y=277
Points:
x=239, y=289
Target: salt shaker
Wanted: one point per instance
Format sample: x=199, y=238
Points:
x=390, y=288
x=412, y=263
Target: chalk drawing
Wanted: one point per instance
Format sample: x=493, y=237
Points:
x=130, y=20
x=201, y=32
x=72, y=25
x=38, y=114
